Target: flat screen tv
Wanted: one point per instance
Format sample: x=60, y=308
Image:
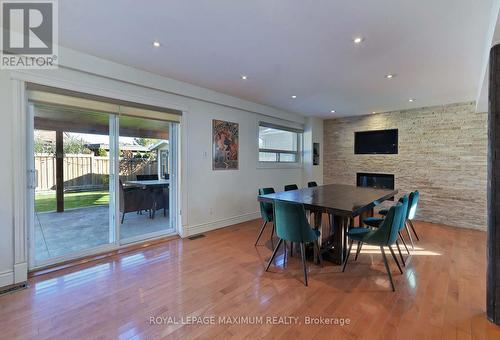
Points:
x=376, y=142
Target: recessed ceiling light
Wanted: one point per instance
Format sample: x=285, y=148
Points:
x=156, y=43
x=244, y=77
x=294, y=96
x=358, y=40
x=390, y=76
x=332, y=111
x=411, y=100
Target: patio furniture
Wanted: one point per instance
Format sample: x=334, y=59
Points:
x=146, y=177
x=158, y=192
x=160, y=200
x=134, y=199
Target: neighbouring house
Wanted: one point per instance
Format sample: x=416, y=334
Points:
x=162, y=149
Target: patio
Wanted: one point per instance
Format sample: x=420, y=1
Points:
x=74, y=230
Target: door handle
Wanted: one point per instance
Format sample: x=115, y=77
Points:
x=32, y=179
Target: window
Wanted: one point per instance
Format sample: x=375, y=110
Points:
x=279, y=144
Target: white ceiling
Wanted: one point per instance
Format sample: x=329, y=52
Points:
x=295, y=47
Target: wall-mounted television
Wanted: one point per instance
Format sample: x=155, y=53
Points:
x=376, y=142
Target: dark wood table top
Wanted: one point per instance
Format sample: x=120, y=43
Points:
x=337, y=199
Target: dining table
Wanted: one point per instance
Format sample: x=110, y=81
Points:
x=342, y=203
x=150, y=183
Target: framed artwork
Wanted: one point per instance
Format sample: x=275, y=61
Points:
x=315, y=153
x=225, y=145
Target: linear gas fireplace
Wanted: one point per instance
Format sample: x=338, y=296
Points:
x=372, y=180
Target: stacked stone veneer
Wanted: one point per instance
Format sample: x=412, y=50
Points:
x=442, y=153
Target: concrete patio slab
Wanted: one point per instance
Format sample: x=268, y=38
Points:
x=59, y=234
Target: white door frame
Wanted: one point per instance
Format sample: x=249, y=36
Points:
x=23, y=201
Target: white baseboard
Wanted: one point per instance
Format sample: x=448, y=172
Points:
x=6, y=278
x=204, y=227
x=21, y=272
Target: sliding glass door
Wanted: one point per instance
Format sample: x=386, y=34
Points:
x=144, y=182
x=99, y=179
x=71, y=163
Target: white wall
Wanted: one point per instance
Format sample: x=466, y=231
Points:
x=6, y=179
x=210, y=199
x=313, y=133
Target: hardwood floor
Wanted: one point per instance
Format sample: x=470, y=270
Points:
x=441, y=294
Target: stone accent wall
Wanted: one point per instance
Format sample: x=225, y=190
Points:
x=442, y=153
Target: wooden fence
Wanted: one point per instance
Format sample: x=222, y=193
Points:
x=88, y=172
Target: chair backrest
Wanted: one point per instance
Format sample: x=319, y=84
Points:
x=312, y=184
x=412, y=211
x=146, y=177
x=291, y=222
x=266, y=209
x=405, y=202
x=291, y=187
x=387, y=233
x=122, y=195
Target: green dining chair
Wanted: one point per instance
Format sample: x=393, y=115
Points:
x=375, y=222
x=413, y=194
x=266, y=212
x=385, y=236
x=290, y=187
x=292, y=225
x=414, y=197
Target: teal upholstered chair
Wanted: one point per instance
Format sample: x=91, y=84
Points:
x=412, y=210
x=290, y=187
x=312, y=184
x=385, y=236
x=266, y=211
x=414, y=197
x=413, y=194
x=375, y=222
x=292, y=225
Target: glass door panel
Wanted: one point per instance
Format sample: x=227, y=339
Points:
x=72, y=182
x=144, y=183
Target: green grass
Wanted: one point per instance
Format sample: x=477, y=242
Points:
x=47, y=202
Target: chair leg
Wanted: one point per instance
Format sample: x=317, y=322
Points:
x=272, y=236
x=358, y=250
x=387, y=268
x=123, y=217
x=400, y=254
x=284, y=253
x=414, y=231
x=303, y=253
x=404, y=243
x=318, y=252
x=348, y=253
x=291, y=249
x=409, y=235
x=395, y=259
x=274, y=254
x=260, y=232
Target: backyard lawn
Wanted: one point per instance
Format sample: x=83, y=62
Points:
x=47, y=202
